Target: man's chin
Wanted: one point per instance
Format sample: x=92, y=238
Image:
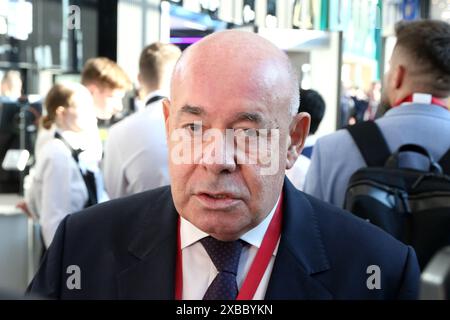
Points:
x=224, y=229
x=226, y=238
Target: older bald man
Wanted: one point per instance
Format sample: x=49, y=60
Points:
x=230, y=226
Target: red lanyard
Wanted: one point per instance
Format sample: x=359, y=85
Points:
x=434, y=100
x=259, y=264
x=179, y=266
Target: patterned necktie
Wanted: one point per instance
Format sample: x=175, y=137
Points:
x=225, y=256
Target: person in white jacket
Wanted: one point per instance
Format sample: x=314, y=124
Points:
x=65, y=178
x=136, y=157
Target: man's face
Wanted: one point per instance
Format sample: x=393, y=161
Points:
x=107, y=101
x=217, y=191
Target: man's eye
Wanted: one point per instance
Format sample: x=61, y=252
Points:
x=250, y=132
x=193, y=127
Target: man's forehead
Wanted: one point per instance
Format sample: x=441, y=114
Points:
x=261, y=83
x=227, y=82
x=230, y=98
x=207, y=62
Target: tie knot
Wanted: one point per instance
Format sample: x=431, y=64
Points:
x=224, y=254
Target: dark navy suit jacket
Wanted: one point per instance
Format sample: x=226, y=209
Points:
x=126, y=249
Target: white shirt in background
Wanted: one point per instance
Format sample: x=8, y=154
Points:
x=136, y=156
x=91, y=144
x=56, y=187
x=297, y=174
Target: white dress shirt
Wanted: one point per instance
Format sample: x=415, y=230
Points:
x=92, y=143
x=136, y=156
x=199, y=270
x=57, y=187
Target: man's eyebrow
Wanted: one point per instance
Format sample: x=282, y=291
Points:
x=254, y=117
x=249, y=116
x=193, y=110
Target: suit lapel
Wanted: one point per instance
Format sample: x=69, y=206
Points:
x=150, y=275
x=301, y=253
x=151, y=272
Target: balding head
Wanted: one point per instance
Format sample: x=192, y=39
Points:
x=234, y=55
x=233, y=96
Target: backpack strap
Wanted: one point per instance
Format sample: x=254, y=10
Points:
x=370, y=142
x=444, y=162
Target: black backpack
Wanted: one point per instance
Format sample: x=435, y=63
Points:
x=411, y=205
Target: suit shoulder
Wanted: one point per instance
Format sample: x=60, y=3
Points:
x=142, y=125
x=338, y=146
x=354, y=247
x=136, y=121
x=334, y=141
x=122, y=126
x=120, y=213
x=55, y=150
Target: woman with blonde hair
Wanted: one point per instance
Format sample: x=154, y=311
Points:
x=64, y=180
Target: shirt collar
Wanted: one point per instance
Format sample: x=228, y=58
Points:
x=418, y=108
x=154, y=94
x=190, y=234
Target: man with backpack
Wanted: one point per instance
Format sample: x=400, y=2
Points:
x=417, y=88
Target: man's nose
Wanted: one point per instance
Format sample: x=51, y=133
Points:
x=218, y=156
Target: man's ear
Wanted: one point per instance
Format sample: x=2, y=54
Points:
x=298, y=132
x=398, y=77
x=166, y=110
x=93, y=88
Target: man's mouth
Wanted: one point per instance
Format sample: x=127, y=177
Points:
x=217, y=201
x=216, y=196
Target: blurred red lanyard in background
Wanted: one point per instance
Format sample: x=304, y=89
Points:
x=423, y=98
